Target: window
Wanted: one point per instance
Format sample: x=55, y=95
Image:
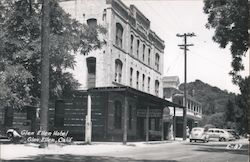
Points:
x=92, y=23
x=118, y=115
x=131, y=44
x=157, y=61
x=148, y=84
x=118, y=70
x=119, y=34
x=137, y=79
x=91, y=65
x=143, y=81
x=130, y=117
x=157, y=87
x=137, y=48
x=131, y=77
x=143, y=52
x=149, y=55
x=104, y=15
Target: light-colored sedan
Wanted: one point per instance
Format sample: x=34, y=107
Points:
x=220, y=134
x=198, y=134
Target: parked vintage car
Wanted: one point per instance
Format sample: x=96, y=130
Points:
x=13, y=135
x=234, y=133
x=220, y=134
x=198, y=134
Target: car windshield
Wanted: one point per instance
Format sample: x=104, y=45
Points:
x=197, y=130
x=232, y=132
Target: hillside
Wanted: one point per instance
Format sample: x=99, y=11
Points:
x=219, y=107
x=213, y=99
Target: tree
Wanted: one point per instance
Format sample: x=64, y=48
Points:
x=20, y=48
x=229, y=19
x=245, y=100
x=217, y=119
x=229, y=111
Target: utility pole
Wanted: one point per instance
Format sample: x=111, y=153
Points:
x=184, y=47
x=45, y=65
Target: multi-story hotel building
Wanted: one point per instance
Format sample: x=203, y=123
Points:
x=123, y=77
x=133, y=55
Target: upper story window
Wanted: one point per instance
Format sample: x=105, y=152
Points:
x=104, y=15
x=91, y=65
x=157, y=61
x=149, y=56
x=157, y=84
x=148, y=84
x=131, y=44
x=131, y=77
x=137, y=79
x=137, y=48
x=118, y=70
x=92, y=23
x=119, y=34
x=143, y=52
x=143, y=81
x=118, y=115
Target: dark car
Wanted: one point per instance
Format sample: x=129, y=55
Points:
x=13, y=135
x=233, y=132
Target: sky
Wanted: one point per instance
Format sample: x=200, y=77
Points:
x=205, y=60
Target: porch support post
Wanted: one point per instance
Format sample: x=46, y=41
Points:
x=162, y=126
x=88, y=124
x=125, y=123
x=174, y=124
x=147, y=124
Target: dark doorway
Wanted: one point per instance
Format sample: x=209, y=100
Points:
x=166, y=130
x=141, y=128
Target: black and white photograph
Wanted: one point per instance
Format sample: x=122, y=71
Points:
x=124, y=81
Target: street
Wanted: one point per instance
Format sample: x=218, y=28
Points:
x=177, y=151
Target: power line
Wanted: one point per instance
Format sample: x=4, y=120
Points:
x=174, y=63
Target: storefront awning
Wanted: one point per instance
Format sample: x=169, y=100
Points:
x=136, y=93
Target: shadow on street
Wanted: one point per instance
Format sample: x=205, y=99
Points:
x=241, y=152
x=79, y=158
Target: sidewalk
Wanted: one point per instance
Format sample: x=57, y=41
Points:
x=177, y=140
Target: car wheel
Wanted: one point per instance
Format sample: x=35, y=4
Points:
x=222, y=139
x=10, y=136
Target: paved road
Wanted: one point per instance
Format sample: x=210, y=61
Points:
x=166, y=152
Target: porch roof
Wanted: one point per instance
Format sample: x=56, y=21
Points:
x=135, y=92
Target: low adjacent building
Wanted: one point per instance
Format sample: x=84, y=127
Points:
x=194, y=108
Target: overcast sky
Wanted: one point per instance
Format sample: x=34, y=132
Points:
x=205, y=60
